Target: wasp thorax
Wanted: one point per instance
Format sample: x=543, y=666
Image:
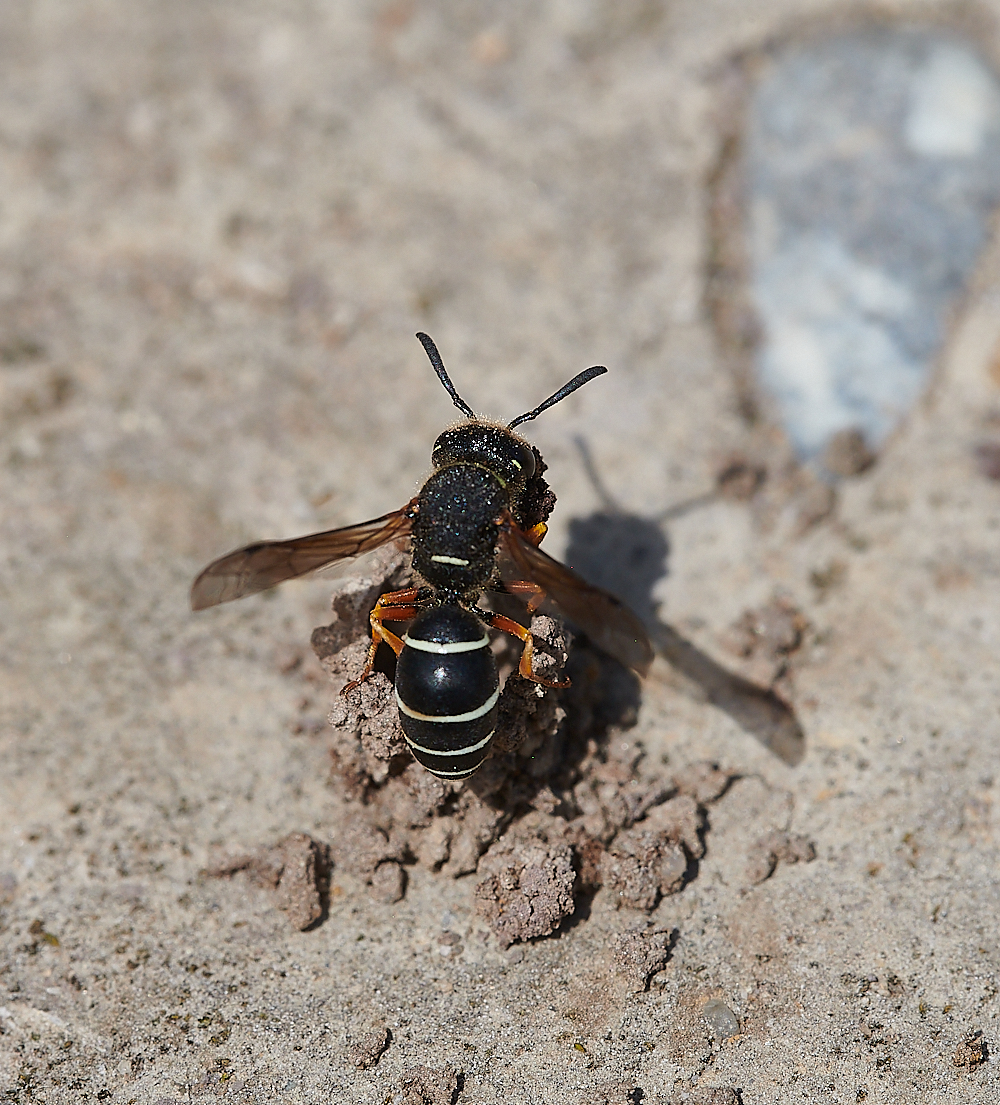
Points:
x=495, y=448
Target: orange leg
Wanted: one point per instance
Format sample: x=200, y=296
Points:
x=526, y=587
x=393, y=606
x=536, y=533
x=498, y=621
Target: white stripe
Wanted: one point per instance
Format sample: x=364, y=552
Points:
x=448, y=718
x=451, y=560
x=454, y=774
x=452, y=752
x=445, y=649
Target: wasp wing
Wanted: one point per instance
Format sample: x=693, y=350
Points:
x=607, y=621
x=261, y=565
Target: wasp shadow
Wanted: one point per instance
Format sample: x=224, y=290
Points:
x=627, y=555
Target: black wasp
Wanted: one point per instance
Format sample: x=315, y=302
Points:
x=475, y=526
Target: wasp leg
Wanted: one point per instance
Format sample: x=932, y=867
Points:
x=393, y=606
x=526, y=587
x=536, y=533
x=498, y=621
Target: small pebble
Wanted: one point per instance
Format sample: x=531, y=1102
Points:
x=388, y=882
x=720, y=1018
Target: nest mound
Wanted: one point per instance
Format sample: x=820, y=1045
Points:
x=559, y=809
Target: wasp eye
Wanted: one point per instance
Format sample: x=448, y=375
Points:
x=444, y=448
x=525, y=461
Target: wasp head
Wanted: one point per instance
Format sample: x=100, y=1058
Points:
x=493, y=447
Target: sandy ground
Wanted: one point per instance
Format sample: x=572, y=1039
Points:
x=220, y=225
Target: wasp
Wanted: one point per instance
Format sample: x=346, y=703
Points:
x=475, y=526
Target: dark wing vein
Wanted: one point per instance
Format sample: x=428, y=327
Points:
x=261, y=565
x=607, y=621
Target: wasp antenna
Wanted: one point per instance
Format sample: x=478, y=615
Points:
x=567, y=389
x=435, y=358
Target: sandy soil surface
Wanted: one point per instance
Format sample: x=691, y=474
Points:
x=220, y=225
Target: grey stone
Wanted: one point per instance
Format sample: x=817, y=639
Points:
x=874, y=166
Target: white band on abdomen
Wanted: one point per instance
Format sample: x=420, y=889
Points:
x=450, y=718
x=453, y=751
x=445, y=649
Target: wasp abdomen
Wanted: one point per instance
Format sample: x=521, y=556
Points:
x=447, y=688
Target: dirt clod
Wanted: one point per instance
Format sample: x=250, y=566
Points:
x=702, y=781
x=774, y=848
x=354, y=597
x=638, y=954
x=366, y=850
x=366, y=1051
x=528, y=890
x=424, y=1086
x=765, y=638
x=682, y=820
x=295, y=869
x=388, y=883
x=970, y=1052
x=641, y=866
